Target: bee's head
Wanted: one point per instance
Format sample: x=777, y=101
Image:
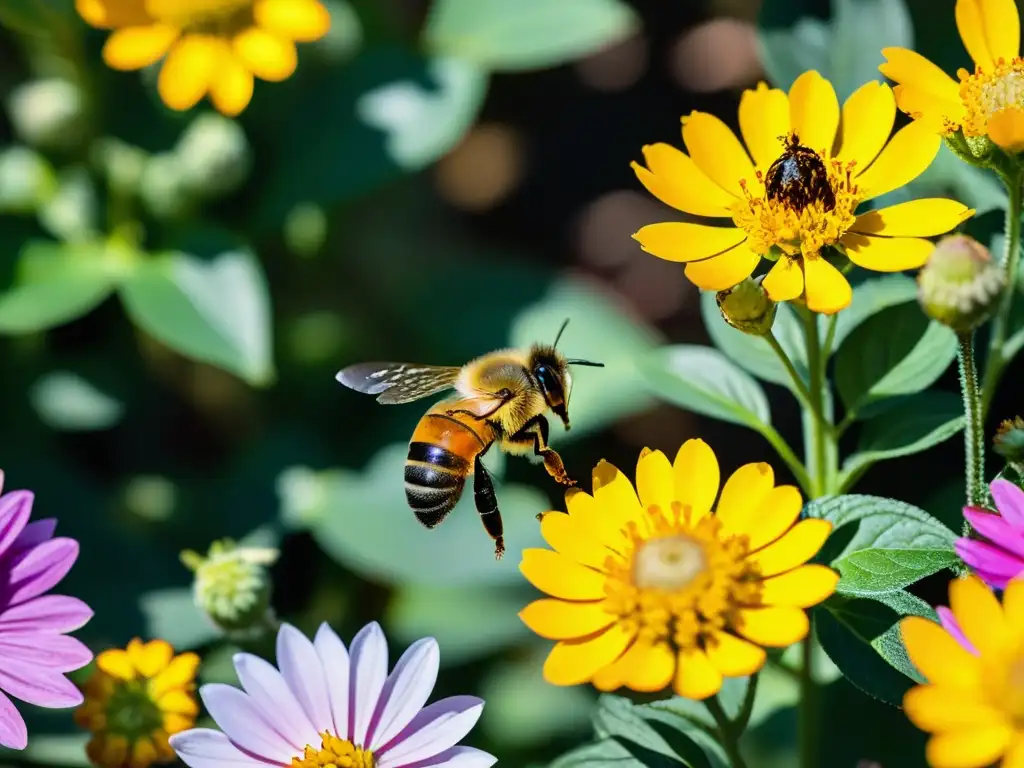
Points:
x=550, y=369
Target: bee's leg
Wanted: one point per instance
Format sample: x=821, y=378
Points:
x=535, y=432
x=487, y=506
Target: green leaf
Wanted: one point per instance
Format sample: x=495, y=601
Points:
x=65, y=401
x=862, y=638
x=704, y=380
x=59, y=283
x=895, y=544
x=896, y=351
x=871, y=296
x=35, y=17
x=602, y=330
x=752, y=352
x=923, y=421
x=606, y=753
x=172, y=614
x=527, y=34
x=217, y=312
x=64, y=750
x=420, y=124
x=662, y=734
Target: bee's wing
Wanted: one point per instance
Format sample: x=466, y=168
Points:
x=398, y=382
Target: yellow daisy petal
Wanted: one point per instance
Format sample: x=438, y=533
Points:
x=784, y=281
x=143, y=754
x=944, y=708
x=825, y=290
x=655, y=482
x=937, y=656
x=980, y=616
x=116, y=663
x=734, y=657
x=648, y=668
x=814, y=111
x=174, y=723
x=696, y=677
x=1014, y=757
x=802, y=587
x=188, y=70
x=611, y=677
x=778, y=511
x=137, y=47
x=111, y=14
x=972, y=748
x=723, y=271
x=179, y=702
x=774, y=627
x=742, y=496
x=150, y=658
x=178, y=674
x=868, y=116
x=584, y=509
x=990, y=30
x=914, y=218
x=764, y=123
x=718, y=153
x=679, y=241
x=615, y=495
x=300, y=20
x=675, y=179
x=115, y=750
x=904, y=158
x=560, y=620
x=696, y=477
x=936, y=114
x=1006, y=128
x=232, y=86
x=886, y=254
x=559, y=576
x=911, y=69
x=266, y=55
x=572, y=662
x=796, y=547
x=573, y=540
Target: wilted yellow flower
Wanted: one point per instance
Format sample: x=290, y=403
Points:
x=134, y=701
x=665, y=588
x=796, y=194
x=211, y=46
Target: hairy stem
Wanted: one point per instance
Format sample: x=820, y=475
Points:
x=974, y=429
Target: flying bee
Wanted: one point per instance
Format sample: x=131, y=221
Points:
x=500, y=398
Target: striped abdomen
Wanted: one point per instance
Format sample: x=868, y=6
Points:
x=442, y=454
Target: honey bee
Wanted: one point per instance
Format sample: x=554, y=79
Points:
x=501, y=398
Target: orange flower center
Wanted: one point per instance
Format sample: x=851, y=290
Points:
x=334, y=753
x=209, y=16
x=681, y=581
x=985, y=94
x=808, y=203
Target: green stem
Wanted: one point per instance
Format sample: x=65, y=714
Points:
x=830, y=338
x=974, y=429
x=740, y=723
x=996, y=360
x=802, y=393
x=807, y=722
x=821, y=431
x=728, y=736
x=787, y=455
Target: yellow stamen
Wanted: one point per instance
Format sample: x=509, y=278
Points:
x=986, y=93
x=334, y=753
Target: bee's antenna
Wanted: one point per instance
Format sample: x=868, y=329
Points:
x=560, y=330
x=589, y=363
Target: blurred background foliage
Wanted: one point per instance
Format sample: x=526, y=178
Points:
x=439, y=179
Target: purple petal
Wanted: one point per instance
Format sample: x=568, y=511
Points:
x=56, y=613
x=241, y=720
x=436, y=728
x=37, y=685
x=997, y=529
x=302, y=670
x=406, y=691
x=15, y=509
x=1009, y=501
x=981, y=555
x=334, y=658
x=994, y=580
x=271, y=695
x=40, y=568
x=35, y=533
x=13, y=733
x=456, y=757
x=369, y=670
x=57, y=652
x=952, y=626
x=207, y=748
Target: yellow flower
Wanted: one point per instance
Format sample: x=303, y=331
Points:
x=211, y=46
x=134, y=701
x=973, y=704
x=659, y=590
x=813, y=164
x=989, y=101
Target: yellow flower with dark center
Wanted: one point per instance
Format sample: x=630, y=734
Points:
x=987, y=102
x=973, y=704
x=666, y=588
x=134, y=701
x=211, y=46
x=796, y=194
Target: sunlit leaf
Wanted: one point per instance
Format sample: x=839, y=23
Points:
x=66, y=401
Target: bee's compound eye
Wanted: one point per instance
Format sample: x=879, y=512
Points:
x=543, y=376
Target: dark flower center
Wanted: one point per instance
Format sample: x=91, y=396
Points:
x=799, y=178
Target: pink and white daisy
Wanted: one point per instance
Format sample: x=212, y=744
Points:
x=325, y=705
x=1001, y=558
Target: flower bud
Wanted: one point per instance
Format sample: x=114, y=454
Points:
x=746, y=307
x=213, y=156
x=47, y=113
x=231, y=584
x=960, y=285
x=121, y=163
x=1009, y=440
x=27, y=180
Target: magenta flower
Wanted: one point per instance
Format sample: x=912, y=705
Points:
x=952, y=626
x=34, y=651
x=1000, y=558
x=326, y=705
